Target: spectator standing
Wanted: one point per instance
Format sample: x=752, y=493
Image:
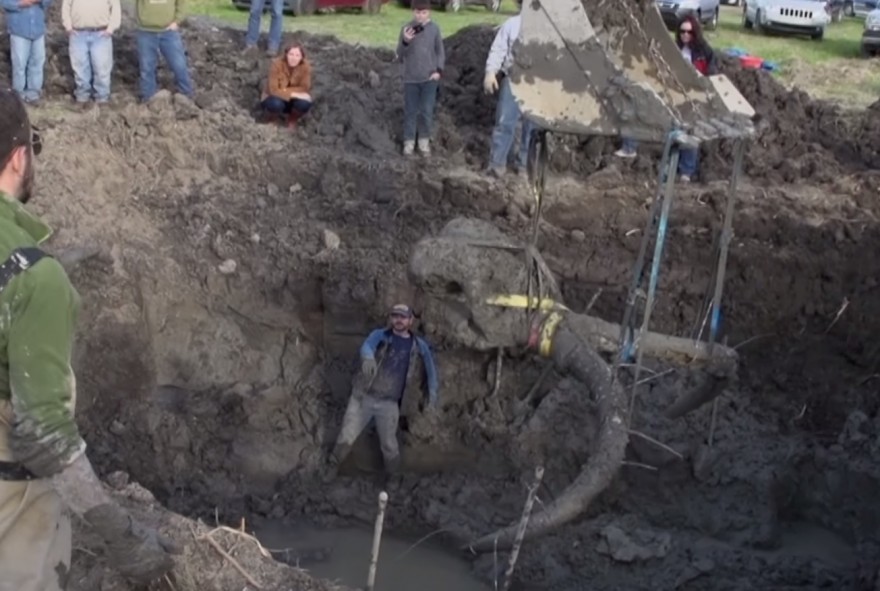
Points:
x=254, y=20
x=90, y=25
x=26, y=23
x=159, y=32
x=507, y=112
x=288, y=87
x=420, y=48
x=695, y=49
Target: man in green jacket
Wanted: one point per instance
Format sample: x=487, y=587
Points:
x=44, y=471
x=158, y=32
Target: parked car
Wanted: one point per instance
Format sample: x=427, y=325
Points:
x=860, y=8
x=306, y=7
x=706, y=10
x=798, y=17
x=455, y=5
x=871, y=34
x=731, y=2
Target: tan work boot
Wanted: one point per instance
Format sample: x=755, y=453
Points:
x=425, y=147
x=409, y=147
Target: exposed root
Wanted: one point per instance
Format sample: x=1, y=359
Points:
x=228, y=557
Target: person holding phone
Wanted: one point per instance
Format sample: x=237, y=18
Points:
x=420, y=49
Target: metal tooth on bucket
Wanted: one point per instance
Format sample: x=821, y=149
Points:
x=626, y=76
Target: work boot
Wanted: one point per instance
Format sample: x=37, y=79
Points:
x=425, y=147
x=392, y=466
x=495, y=171
x=292, y=118
x=409, y=147
x=340, y=452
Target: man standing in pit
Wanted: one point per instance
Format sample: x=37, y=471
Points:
x=507, y=113
x=90, y=25
x=44, y=471
x=392, y=360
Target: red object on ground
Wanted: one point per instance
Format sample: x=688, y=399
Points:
x=751, y=62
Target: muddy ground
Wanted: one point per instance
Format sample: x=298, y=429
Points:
x=239, y=267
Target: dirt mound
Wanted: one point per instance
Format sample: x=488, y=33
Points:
x=240, y=266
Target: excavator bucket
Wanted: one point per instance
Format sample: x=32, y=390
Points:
x=610, y=67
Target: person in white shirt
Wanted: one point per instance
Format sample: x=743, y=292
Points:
x=507, y=112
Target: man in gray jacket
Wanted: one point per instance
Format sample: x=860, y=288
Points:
x=420, y=48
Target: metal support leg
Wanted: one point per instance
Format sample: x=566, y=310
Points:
x=667, y=171
x=668, y=194
x=724, y=244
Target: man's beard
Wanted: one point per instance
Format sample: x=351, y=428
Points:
x=27, y=183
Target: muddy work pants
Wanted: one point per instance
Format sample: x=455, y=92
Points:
x=361, y=410
x=35, y=544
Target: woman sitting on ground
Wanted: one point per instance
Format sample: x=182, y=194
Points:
x=289, y=85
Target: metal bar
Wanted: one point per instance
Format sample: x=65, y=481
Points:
x=521, y=529
x=726, y=235
x=639, y=267
x=668, y=194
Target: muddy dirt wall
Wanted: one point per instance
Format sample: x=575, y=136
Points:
x=240, y=266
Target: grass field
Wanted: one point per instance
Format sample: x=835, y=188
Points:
x=831, y=68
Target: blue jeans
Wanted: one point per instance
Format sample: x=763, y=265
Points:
x=28, y=59
x=170, y=44
x=91, y=56
x=273, y=104
x=688, y=158
x=253, y=32
x=419, y=100
x=507, y=116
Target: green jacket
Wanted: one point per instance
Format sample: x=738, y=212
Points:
x=38, y=310
x=156, y=15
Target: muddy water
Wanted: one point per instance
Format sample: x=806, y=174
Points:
x=343, y=555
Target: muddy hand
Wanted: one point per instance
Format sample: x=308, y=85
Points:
x=368, y=367
x=137, y=552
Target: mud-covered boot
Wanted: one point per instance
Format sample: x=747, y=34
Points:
x=340, y=452
x=409, y=146
x=425, y=147
x=292, y=118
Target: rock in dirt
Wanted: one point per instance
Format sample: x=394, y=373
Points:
x=641, y=544
x=227, y=267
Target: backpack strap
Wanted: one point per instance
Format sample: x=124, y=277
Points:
x=20, y=260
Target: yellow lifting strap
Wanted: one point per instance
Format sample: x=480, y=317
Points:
x=550, y=324
x=521, y=301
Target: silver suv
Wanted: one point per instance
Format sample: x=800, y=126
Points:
x=706, y=10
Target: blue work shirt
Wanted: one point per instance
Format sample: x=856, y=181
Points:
x=29, y=21
x=381, y=385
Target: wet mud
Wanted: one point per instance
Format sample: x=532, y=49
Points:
x=239, y=267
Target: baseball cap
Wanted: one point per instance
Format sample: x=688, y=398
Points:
x=401, y=310
x=15, y=128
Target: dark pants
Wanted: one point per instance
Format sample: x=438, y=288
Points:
x=276, y=105
x=419, y=100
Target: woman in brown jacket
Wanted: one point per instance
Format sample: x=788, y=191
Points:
x=290, y=82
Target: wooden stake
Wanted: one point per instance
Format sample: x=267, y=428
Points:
x=377, y=538
x=521, y=530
